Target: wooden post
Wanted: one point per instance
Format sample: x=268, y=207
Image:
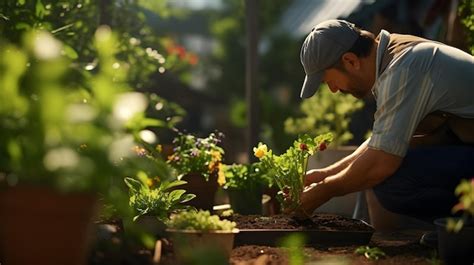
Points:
x=251, y=77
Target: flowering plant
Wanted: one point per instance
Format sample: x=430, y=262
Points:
x=465, y=191
x=288, y=170
x=198, y=155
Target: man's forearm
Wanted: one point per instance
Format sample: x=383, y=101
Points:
x=346, y=161
x=369, y=168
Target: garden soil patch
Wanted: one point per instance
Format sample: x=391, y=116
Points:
x=400, y=247
x=323, y=222
x=321, y=229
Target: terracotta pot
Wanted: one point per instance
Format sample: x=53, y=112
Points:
x=40, y=226
x=246, y=201
x=455, y=248
x=151, y=225
x=205, y=191
x=187, y=243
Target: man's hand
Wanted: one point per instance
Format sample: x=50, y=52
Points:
x=311, y=198
x=315, y=176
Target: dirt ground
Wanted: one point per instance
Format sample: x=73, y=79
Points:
x=400, y=248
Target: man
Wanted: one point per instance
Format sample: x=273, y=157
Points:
x=423, y=133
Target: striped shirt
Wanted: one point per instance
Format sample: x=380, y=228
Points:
x=420, y=79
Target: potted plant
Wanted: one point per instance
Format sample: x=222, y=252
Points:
x=244, y=183
x=456, y=235
x=62, y=143
x=288, y=170
x=154, y=200
x=198, y=161
x=193, y=231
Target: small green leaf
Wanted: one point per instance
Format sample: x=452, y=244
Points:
x=168, y=185
x=176, y=195
x=70, y=52
x=133, y=184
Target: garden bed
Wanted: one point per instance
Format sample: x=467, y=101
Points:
x=322, y=229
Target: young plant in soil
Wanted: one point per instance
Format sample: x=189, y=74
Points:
x=371, y=253
x=288, y=170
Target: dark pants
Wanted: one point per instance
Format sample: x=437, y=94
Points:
x=423, y=187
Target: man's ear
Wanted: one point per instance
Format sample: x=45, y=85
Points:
x=351, y=61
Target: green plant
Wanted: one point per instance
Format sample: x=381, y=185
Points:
x=199, y=221
x=56, y=133
x=141, y=51
x=158, y=201
x=466, y=13
x=295, y=245
x=325, y=112
x=198, y=155
x=244, y=176
x=465, y=191
x=288, y=170
x=371, y=253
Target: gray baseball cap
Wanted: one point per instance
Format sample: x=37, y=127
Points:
x=322, y=48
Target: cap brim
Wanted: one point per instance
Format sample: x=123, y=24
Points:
x=311, y=84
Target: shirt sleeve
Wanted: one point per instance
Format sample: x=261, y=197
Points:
x=401, y=95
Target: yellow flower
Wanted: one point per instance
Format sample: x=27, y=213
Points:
x=260, y=151
x=221, y=175
x=216, y=156
x=159, y=148
x=149, y=182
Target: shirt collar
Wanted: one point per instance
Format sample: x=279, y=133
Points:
x=384, y=38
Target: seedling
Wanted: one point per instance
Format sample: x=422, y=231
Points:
x=373, y=253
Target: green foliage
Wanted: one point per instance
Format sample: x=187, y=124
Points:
x=54, y=132
x=74, y=23
x=288, y=170
x=325, y=112
x=198, y=155
x=371, y=253
x=466, y=12
x=245, y=176
x=294, y=243
x=199, y=221
x=160, y=201
x=465, y=191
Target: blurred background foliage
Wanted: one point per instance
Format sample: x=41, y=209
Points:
x=191, y=54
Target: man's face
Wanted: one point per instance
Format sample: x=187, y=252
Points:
x=346, y=82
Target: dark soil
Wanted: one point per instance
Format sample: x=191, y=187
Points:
x=400, y=248
x=324, y=222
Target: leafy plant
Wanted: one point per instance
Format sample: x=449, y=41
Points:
x=289, y=169
x=466, y=12
x=245, y=176
x=160, y=201
x=60, y=134
x=295, y=245
x=74, y=23
x=371, y=253
x=325, y=112
x=198, y=155
x=199, y=221
x=465, y=191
